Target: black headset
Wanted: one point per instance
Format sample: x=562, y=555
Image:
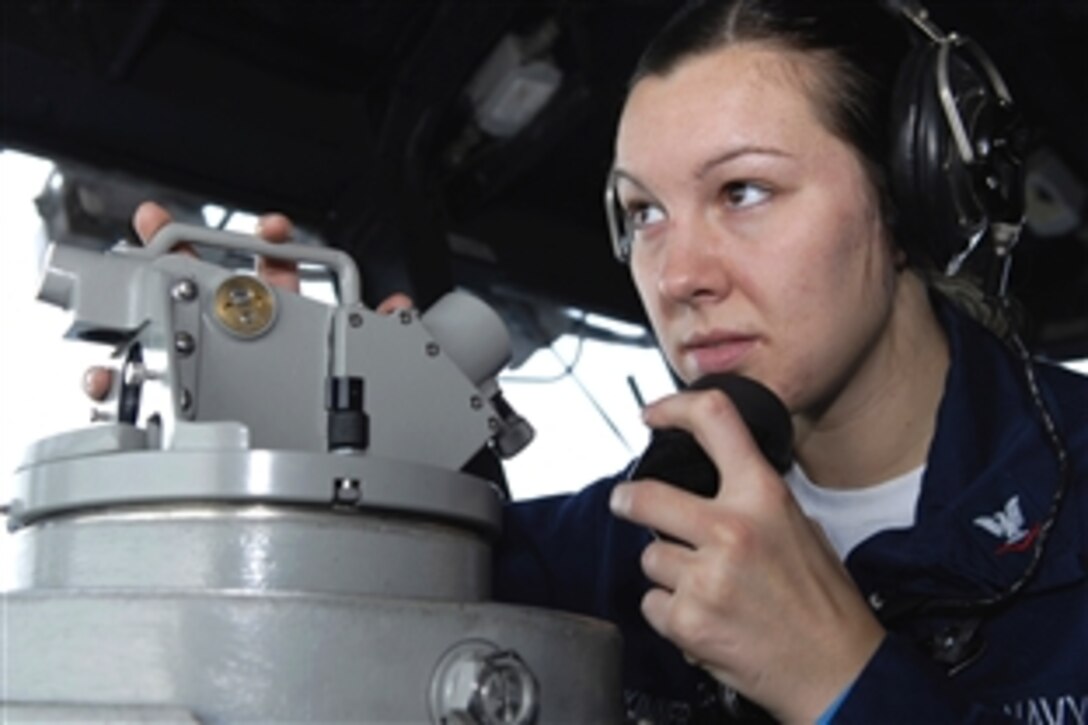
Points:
x=958, y=150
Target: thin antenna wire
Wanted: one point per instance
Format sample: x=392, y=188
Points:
x=569, y=371
x=568, y=368
x=599, y=408
x=633, y=385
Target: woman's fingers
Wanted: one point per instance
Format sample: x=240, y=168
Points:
x=149, y=219
x=282, y=273
x=394, y=303
x=97, y=382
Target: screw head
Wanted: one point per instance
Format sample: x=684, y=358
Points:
x=184, y=343
x=184, y=290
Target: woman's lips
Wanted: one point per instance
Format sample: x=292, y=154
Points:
x=718, y=353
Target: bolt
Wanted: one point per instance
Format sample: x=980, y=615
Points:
x=136, y=373
x=493, y=424
x=184, y=290
x=345, y=490
x=184, y=343
x=432, y=349
x=355, y=319
x=476, y=402
x=101, y=416
x=405, y=317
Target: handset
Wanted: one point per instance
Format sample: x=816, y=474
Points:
x=675, y=457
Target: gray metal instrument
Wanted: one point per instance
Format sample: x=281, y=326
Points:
x=272, y=520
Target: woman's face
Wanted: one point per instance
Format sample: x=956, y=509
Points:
x=758, y=247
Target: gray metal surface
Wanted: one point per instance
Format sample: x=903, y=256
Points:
x=471, y=333
x=252, y=548
x=279, y=657
x=70, y=484
x=12, y=713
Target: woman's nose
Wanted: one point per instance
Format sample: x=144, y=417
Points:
x=693, y=268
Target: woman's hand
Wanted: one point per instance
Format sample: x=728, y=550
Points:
x=753, y=594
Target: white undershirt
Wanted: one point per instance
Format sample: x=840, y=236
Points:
x=849, y=516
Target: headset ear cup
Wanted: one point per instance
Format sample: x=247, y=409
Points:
x=957, y=156
x=941, y=178
x=908, y=151
x=939, y=196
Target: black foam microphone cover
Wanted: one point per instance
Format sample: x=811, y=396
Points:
x=675, y=457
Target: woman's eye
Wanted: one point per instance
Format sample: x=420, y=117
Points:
x=743, y=194
x=642, y=215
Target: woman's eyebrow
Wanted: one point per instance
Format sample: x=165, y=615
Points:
x=733, y=154
x=707, y=166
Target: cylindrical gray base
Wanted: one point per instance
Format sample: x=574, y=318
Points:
x=228, y=657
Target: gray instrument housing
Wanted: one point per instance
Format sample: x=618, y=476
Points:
x=212, y=552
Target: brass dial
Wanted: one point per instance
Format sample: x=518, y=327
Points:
x=245, y=306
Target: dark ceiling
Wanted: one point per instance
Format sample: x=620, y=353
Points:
x=352, y=117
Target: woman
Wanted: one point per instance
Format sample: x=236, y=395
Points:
x=752, y=182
